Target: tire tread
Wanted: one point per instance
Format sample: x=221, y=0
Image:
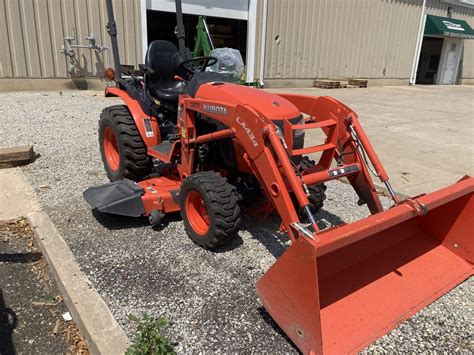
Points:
x=224, y=204
x=137, y=164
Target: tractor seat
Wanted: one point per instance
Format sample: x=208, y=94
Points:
x=164, y=58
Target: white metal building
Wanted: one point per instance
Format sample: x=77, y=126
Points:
x=284, y=42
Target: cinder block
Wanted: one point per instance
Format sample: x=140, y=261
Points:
x=15, y=156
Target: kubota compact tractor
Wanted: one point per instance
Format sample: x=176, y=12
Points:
x=188, y=141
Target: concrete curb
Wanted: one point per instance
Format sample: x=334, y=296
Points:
x=92, y=316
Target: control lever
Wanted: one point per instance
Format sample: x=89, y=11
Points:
x=178, y=78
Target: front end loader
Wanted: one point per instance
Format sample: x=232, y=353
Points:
x=187, y=141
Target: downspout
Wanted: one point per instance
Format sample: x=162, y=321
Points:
x=144, y=27
x=419, y=42
x=262, y=43
x=251, y=40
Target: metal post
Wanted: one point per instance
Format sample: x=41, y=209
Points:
x=262, y=42
x=112, y=30
x=180, y=33
x=419, y=42
x=208, y=33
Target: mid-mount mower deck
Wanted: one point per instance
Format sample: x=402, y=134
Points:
x=188, y=141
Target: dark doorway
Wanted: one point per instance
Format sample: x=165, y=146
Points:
x=224, y=32
x=428, y=62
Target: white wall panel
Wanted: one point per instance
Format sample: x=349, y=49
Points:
x=32, y=32
x=349, y=38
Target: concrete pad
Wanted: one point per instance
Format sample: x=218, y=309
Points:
x=90, y=312
x=17, y=199
x=15, y=156
x=424, y=135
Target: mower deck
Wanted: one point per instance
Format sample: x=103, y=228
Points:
x=121, y=197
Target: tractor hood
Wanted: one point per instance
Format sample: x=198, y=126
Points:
x=268, y=104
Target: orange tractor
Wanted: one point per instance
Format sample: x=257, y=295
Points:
x=188, y=141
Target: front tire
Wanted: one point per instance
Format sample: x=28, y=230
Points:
x=123, y=151
x=209, y=208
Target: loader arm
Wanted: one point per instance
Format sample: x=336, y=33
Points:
x=267, y=151
x=337, y=290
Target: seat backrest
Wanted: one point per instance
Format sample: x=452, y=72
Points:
x=164, y=58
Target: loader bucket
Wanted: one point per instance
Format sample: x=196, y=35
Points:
x=356, y=282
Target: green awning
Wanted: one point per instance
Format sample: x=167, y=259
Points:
x=448, y=27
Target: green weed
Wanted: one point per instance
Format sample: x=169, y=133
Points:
x=149, y=340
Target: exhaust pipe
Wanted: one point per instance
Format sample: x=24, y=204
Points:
x=180, y=29
x=112, y=30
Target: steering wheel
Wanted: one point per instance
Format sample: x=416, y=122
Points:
x=197, y=64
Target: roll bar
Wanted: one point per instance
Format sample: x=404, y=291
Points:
x=112, y=30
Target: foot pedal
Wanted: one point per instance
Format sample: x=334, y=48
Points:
x=173, y=137
x=163, y=150
x=121, y=197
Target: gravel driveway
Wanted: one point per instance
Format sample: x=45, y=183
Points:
x=209, y=297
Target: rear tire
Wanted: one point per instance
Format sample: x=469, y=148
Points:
x=209, y=208
x=317, y=193
x=123, y=151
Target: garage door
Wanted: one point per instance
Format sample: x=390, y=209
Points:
x=235, y=9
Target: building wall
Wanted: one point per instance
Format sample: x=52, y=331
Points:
x=32, y=32
x=372, y=39
x=318, y=38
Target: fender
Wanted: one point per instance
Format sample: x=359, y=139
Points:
x=150, y=138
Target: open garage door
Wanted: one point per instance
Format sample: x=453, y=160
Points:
x=232, y=23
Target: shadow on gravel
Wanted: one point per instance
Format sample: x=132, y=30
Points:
x=276, y=242
x=269, y=320
x=116, y=222
x=234, y=244
x=8, y=322
x=19, y=257
x=327, y=216
x=266, y=231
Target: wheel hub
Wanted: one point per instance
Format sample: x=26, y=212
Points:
x=197, y=212
x=111, y=150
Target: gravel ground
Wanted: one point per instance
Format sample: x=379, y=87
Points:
x=209, y=297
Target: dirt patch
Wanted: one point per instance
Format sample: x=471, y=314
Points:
x=31, y=306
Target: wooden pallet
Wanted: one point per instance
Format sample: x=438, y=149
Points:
x=339, y=84
x=327, y=84
x=357, y=83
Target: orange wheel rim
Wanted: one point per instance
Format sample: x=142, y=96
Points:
x=111, y=150
x=196, y=212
